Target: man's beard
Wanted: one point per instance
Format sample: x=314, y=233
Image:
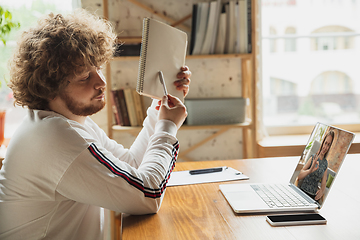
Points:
x=81, y=109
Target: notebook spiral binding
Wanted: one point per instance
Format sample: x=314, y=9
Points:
x=142, y=62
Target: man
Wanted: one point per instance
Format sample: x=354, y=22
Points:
x=60, y=167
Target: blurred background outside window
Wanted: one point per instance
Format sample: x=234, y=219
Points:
x=310, y=62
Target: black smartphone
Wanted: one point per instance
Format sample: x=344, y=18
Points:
x=295, y=219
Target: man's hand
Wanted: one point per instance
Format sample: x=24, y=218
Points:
x=171, y=108
x=183, y=81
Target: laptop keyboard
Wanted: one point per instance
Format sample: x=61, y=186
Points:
x=277, y=195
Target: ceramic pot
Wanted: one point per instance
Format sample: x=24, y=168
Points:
x=2, y=126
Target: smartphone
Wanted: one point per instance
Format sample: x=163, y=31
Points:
x=295, y=219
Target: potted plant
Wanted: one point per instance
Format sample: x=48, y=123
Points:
x=6, y=26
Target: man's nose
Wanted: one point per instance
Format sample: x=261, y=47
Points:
x=101, y=81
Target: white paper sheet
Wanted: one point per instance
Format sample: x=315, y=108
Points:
x=185, y=178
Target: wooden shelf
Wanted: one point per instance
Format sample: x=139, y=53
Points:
x=247, y=123
x=238, y=125
x=127, y=40
x=236, y=55
x=242, y=56
x=219, y=129
x=248, y=87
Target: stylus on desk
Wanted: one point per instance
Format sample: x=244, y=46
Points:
x=206, y=170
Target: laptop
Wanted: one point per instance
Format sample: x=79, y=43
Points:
x=317, y=169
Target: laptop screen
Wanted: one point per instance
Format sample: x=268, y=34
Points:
x=321, y=160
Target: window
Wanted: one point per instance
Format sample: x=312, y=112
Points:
x=290, y=41
x=26, y=12
x=331, y=82
x=272, y=32
x=320, y=80
x=333, y=38
x=282, y=87
x=284, y=91
x=331, y=94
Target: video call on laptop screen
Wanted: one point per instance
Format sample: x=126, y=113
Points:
x=328, y=146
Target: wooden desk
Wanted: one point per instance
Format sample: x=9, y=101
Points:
x=201, y=212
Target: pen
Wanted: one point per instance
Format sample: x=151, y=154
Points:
x=161, y=76
x=206, y=170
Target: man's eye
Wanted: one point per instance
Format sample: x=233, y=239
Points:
x=85, y=79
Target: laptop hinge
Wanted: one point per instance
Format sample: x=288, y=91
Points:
x=304, y=195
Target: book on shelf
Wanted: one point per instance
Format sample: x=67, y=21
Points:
x=231, y=30
x=242, y=31
x=221, y=34
x=128, y=107
x=127, y=49
x=220, y=27
x=119, y=108
x=116, y=108
x=201, y=21
x=130, y=104
x=211, y=26
x=249, y=26
x=216, y=26
x=123, y=107
x=238, y=38
x=139, y=107
x=194, y=26
x=163, y=48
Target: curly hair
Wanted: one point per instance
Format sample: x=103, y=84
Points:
x=58, y=48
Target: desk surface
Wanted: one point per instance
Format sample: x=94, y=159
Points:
x=201, y=212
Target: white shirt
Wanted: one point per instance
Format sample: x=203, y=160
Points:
x=57, y=174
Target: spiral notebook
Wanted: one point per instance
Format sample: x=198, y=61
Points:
x=163, y=48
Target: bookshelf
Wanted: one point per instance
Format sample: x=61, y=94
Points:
x=247, y=88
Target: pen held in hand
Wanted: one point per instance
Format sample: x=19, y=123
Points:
x=162, y=81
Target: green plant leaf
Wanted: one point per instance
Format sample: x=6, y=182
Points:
x=6, y=24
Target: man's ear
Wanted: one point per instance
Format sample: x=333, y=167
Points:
x=53, y=97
